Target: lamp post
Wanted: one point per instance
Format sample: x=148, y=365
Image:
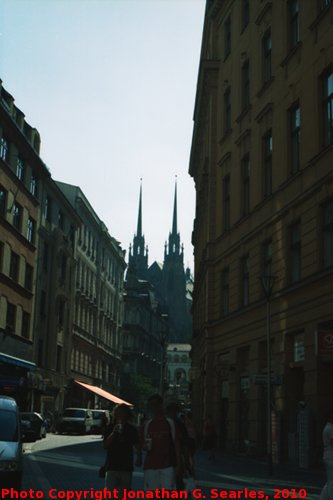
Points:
x=267, y=282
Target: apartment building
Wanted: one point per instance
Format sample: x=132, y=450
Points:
x=55, y=292
x=21, y=173
x=261, y=160
x=98, y=306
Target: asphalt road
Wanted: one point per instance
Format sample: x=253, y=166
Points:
x=67, y=463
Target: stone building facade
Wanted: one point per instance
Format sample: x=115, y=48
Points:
x=98, y=305
x=261, y=160
x=21, y=173
x=54, y=292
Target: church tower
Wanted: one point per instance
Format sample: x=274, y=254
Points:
x=174, y=284
x=138, y=252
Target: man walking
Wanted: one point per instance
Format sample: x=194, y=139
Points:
x=160, y=440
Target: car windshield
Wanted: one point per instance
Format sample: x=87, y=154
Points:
x=74, y=413
x=8, y=426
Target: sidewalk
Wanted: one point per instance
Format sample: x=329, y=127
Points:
x=245, y=471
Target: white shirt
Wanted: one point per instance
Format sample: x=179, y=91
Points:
x=327, y=437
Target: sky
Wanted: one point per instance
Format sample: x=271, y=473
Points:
x=110, y=86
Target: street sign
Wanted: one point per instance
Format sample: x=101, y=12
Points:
x=261, y=379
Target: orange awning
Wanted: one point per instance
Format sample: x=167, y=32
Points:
x=103, y=393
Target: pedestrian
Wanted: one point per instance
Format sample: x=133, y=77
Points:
x=120, y=438
x=327, y=492
x=209, y=438
x=186, y=468
x=192, y=435
x=161, y=442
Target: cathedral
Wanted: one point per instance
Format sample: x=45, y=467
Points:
x=172, y=285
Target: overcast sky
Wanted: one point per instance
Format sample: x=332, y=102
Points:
x=110, y=86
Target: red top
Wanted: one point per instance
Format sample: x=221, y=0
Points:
x=162, y=453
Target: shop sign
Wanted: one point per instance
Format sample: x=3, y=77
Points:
x=324, y=342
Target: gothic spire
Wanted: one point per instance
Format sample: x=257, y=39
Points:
x=138, y=255
x=139, y=228
x=174, y=220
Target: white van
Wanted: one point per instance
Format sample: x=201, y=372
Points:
x=10, y=444
x=78, y=420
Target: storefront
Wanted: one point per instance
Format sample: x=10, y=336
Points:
x=15, y=377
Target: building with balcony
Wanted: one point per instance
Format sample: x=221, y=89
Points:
x=55, y=293
x=261, y=160
x=98, y=306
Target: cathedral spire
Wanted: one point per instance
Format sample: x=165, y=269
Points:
x=138, y=254
x=139, y=228
x=174, y=220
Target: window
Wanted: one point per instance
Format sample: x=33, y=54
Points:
x=14, y=266
x=295, y=134
x=33, y=185
x=25, y=325
x=61, y=313
x=226, y=203
x=59, y=359
x=227, y=37
x=31, y=230
x=227, y=111
x=225, y=291
x=267, y=258
x=47, y=208
x=40, y=352
x=11, y=317
x=293, y=23
x=1, y=255
x=327, y=104
x=245, y=13
x=4, y=148
x=245, y=187
x=61, y=220
x=20, y=170
x=45, y=256
x=28, y=277
x=63, y=269
x=267, y=56
x=268, y=151
x=17, y=216
x=295, y=248
x=3, y=201
x=42, y=309
x=246, y=85
x=299, y=348
x=328, y=235
x=245, y=281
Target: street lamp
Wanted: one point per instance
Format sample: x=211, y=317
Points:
x=267, y=282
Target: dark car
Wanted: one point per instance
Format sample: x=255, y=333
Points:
x=33, y=426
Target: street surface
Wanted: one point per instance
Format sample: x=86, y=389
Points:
x=72, y=463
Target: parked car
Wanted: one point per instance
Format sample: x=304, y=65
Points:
x=10, y=444
x=33, y=426
x=77, y=420
x=101, y=418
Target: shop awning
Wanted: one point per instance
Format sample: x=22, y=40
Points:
x=11, y=360
x=103, y=393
